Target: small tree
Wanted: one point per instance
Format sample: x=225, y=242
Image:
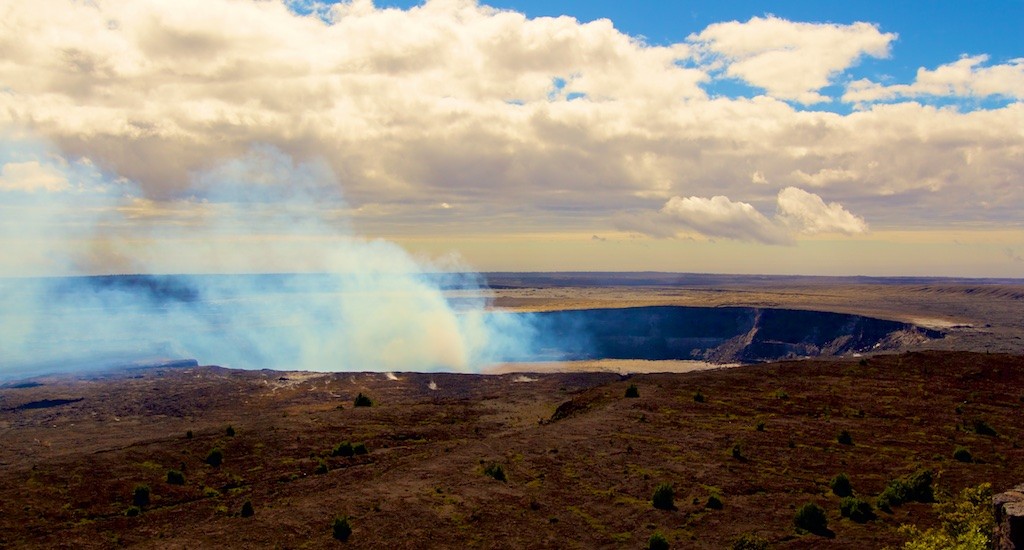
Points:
x=230, y=431
x=657, y=542
x=215, y=458
x=664, y=497
x=247, y=511
x=841, y=485
x=811, y=517
x=363, y=401
x=174, y=477
x=342, y=530
x=632, y=391
x=140, y=496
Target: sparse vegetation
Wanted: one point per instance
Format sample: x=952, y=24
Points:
x=750, y=541
x=811, y=518
x=856, y=509
x=664, y=497
x=344, y=448
x=342, y=529
x=844, y=438
x=632, y=391
x=140, y=495
x=983, y=428
x=363, y=401
x=247, y=510
x=657, y=542
x=840, y=485
x=495, y=470
x=962, y=454
x=174, y=477
x=215, y=458
x=916, y=487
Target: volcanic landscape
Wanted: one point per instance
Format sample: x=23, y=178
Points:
x=747, y=395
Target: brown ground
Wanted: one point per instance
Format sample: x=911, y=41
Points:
x=68, y=466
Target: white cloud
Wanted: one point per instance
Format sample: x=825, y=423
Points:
x=31, y=176
x=798, y=213
x=966, y=77
x=792, y=60
x=808, y=214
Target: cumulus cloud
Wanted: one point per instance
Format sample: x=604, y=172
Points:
x=966, y=77
x=798, y=213
x=791, y=60
x=518, y=124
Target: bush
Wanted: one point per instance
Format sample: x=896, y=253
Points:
x=698, y=397
x=841, y=486
x=856, y=509
x=962, y=454
x=230, y=431
x=247, y=511
x=215, y=458
x=966, y=522
x=632, y=391
x=496, y=471
x=760, y=426
x=811, y=517
x=657, y=542
x=664, y=497
x=140, y=496
x=781, y=394
x=321, y=466
x=982, y=428
x=132, y=511
x=343, y=449
x=342, y=530
x=714, y=502
x=174, y=477
x=750, y=541
x=359, y=449
x=363, y=401
x=737, y=451
x=916, y=487
x=188, y=434
x=844, y=438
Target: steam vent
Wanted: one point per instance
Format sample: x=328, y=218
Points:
x=1009, y=511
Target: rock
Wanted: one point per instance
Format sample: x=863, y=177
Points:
x=1008, y=508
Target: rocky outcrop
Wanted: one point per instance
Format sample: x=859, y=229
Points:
x=1008, y=508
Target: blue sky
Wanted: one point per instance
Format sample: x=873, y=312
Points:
x=874, y=138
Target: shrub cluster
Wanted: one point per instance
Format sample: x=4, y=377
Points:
x=916, y=487
x=856, y=509
x=811, y=517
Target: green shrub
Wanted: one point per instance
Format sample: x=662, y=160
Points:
x=215, y=458
x=321, y=466
x=840, y=485
x=714, y=502
x=632, y=391
x=230, y=431
x=342, y=530
x=982, y=428
x=174, y=477
x=140, y=495
x=844, y=438
x=363, y=401
x=966, y=522
x=495, y=470
x=132, y=511
x=916, y=487
x=657, y=542
x=664, y=497
x=247, y=511
x=359, y=449
x=698, y=397
x=962, y=454
x=811, y=517
x=856, y=509
x=750, y=541
x=343, y=449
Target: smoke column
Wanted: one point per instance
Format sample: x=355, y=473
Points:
x=360, y=305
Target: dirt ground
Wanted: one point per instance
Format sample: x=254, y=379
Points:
x=581, y=460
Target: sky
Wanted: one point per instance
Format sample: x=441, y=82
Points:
x=208, y=136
